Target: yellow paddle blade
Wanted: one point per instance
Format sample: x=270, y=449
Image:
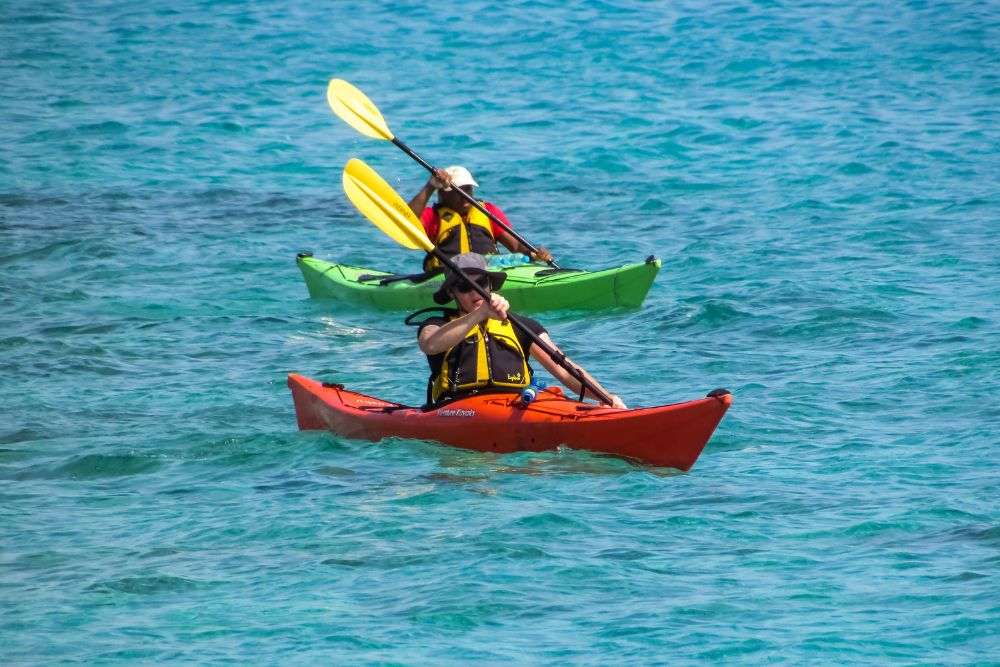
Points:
x=357, y=110
x=382, y=205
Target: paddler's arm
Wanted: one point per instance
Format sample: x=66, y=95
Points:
x=440, y=179
x=436, y=339
x=509, y=241
x=512, y=244
x=565, y=378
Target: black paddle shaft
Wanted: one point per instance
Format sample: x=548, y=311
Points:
x=557, y=357
x=472, y=200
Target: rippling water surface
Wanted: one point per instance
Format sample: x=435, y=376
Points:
x=820, y=181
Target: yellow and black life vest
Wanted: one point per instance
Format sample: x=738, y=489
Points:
x=489, y=356
x=456, y=235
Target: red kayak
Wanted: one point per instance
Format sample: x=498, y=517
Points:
x=668, y=435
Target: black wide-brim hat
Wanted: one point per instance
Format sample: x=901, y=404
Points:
x=473, y=264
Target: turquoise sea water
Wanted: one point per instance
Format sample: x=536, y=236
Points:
x=820, y=179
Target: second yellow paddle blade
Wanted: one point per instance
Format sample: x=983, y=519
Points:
x=383, y=206
x=356, y=110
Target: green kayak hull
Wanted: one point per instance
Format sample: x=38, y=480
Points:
x=529, y=287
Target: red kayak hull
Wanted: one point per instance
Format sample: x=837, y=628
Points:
x=668, y=435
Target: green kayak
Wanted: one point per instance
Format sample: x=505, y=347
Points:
x=529, y=287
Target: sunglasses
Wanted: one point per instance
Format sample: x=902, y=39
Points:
x=465, y=288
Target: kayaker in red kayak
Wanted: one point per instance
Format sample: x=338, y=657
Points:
x=456, y=227
x=474, y=348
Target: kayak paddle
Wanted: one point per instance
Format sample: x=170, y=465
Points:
x=355, y=109
x=386, y=209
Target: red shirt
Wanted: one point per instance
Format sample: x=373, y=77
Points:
x=432, y=223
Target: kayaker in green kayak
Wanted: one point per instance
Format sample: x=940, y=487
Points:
x=474, y=347
x=455, y=226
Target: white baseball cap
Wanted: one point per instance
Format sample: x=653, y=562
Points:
x=460, y=177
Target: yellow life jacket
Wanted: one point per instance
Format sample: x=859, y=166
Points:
x=489, y=356
x=456, y=235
